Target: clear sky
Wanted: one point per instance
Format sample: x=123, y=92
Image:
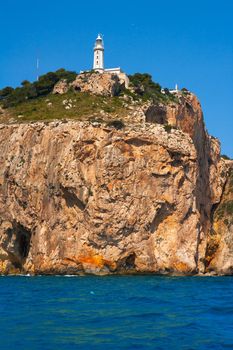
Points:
x=185, y=42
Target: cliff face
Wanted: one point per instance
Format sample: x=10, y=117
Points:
x=219, y=252
x=79, y=197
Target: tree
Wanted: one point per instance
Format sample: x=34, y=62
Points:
x=46, y=83
x=145, y=86
x=25, y=83
x=43, y=86
x=64, y=74
x=6, y=92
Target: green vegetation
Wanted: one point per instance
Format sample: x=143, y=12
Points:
x=10, y=97
x=144, y=83
x=224, y=156
x=35, y=101
x=225, y=209
x=147, y=89
x=167, y=127
x=71, y=105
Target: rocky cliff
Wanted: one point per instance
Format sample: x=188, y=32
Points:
x=219, y=252
x=82, y=197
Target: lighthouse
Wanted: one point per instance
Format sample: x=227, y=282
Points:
x=98, y=64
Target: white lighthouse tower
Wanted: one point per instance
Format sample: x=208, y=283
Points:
x=98, y=64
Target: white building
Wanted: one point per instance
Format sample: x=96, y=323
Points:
x=174, y=91
x=98, y=63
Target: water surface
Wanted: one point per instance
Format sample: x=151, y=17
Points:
x=116, y=312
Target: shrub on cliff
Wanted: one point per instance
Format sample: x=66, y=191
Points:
x=224, y=156
x=12, y=97
x=6, y=92
x=144, y=86
x=225, y=209
x=66, y=74
x=167, y=127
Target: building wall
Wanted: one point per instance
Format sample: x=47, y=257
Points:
x=98, y=59
x=113, y=70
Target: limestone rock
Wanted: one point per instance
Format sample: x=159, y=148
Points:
x=77, y=197
x=61, y=87
x=124, y=80
x=219, y=253
x=104, y=84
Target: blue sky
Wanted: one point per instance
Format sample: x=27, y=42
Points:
x=189, y=43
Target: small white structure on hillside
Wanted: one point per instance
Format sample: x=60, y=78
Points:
x=98, y=63
x=174, y=91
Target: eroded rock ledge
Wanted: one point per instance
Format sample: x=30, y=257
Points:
x=82, y=198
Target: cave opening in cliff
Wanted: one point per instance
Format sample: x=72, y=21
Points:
x=23, y=240
x=20, y=238
x=128, y=263
x=24, y=245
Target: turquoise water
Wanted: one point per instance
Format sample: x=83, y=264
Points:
x=127, y=312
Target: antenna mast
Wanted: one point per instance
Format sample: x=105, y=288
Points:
x=37, y=68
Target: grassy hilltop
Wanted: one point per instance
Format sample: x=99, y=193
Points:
x=35, y=101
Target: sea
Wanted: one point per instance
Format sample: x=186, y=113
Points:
x=116, y=312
